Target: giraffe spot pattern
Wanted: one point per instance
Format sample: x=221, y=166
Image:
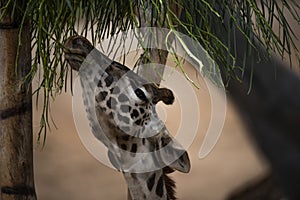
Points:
x=133, y=148
x=111, y=115
x=142, y=110
x=123, y=98
x=124, y=147
x=111, y=103
x=108, y=81
x=101, y=96
x=150, y=182
x=115, y=90
x=164, y=142
x=99, y=83
x=160, y=187
x=138, y=122
x=134, y=114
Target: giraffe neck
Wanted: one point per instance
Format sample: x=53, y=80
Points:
x=155, y=185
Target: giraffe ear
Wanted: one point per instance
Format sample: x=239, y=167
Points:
x=163, y=94
x=172, y=149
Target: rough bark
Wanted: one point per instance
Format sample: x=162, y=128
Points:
x=16, y=151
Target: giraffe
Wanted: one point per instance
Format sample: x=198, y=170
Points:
x=120, y=107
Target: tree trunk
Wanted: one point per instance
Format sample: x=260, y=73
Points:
x=152, y=67
x=16, y=151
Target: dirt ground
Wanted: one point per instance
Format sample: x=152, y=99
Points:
x=64, y=169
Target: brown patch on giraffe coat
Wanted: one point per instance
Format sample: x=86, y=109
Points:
x=134, y=114
x=160, y=186
x=133, y=148
x=151, y=181
x=111, y=103
x=101, y=96
x=108, y=81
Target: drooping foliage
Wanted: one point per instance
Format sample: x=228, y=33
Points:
x=53, y=21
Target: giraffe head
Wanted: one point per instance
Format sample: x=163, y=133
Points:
x=130, y=102
x=121, y=95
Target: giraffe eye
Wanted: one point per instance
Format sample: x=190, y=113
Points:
x=140, y=94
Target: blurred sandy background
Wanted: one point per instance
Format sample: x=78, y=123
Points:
x=64, y=169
